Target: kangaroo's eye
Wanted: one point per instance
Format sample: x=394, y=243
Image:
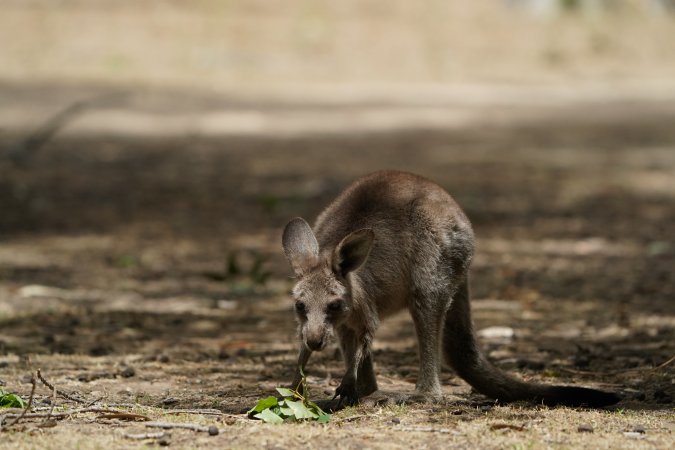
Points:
x=300, y=308
x=335, y=306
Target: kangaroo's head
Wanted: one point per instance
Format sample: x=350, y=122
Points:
x=323, y=293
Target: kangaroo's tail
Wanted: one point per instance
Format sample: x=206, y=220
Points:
x=462, y=353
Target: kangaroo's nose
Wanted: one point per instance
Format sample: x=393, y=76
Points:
x=315, y=343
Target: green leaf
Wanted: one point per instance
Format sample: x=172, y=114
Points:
x=285, y=392
x=323, y=418
x=301, y=411
x=8, y=400
x=264, y=404
x=269, y=417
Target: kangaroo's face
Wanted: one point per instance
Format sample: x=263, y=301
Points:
x=322, y=303
x=322, y=295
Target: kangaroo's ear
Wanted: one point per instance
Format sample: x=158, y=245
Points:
x=300, y=246
x=353, y=251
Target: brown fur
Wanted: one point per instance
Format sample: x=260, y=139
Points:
x=394, y=240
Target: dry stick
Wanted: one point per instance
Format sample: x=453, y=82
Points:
x=350, y=418
x=28, y=405
x=58, y=391
x=124, y=416
x=661, y=366
x=187, y=426
x=204, y=412
x=93, y=402
x=72, y=412
x=507, y=426
x=424, y=429
x=141, y=436
x=51, y=409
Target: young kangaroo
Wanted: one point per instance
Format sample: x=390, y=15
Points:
x=394, y=240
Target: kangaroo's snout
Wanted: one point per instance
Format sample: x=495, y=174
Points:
x=315, y=344
x=315, y=338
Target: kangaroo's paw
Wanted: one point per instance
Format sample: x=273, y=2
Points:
x=346, y=394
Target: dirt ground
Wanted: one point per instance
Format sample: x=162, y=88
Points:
x=146, y=273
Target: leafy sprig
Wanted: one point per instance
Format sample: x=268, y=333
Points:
x=294, y=406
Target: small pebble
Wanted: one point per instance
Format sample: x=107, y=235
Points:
x=213, y=430
x=639, y=429
x=128, y=372
x=169, y=401
x=164, y=441
x=585, y=428
x=632, y=434
x=396, y=421
x=485, y=408
x=163, y=358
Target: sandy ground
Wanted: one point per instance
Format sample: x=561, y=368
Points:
x=145, y=270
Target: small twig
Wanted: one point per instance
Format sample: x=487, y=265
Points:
x=58, y=391
x=424, y=429
x=661, y=366
x=93, y=402
x=203, y=412
x=619, y=372
x=142, y=436
x=124, y=416
x=507, y=426
x=28, y=405
x=212, y=430
x=51, y=408
x=351, y=418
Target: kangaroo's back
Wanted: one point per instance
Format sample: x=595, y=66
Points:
x=423, y=240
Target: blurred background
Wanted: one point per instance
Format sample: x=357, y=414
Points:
x=151, y=152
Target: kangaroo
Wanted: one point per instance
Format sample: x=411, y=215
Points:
x=394, y=240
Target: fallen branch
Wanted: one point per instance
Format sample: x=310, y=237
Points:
x=58, y=391
x=68, y=413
